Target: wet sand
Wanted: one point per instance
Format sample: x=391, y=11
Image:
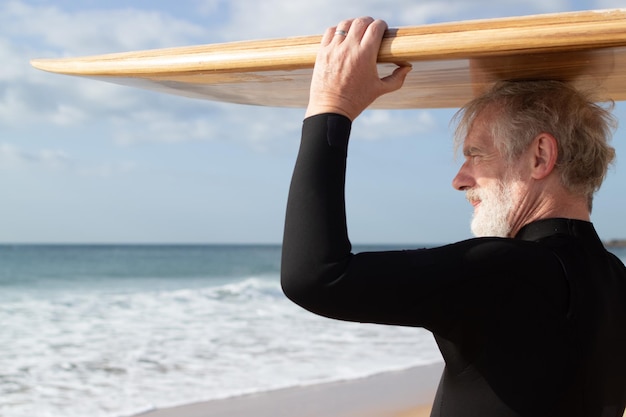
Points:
x=406, y=393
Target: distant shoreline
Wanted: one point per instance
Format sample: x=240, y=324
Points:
x=615, y=243
x=612, y=243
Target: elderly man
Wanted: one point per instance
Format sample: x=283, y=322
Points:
x=531, y=321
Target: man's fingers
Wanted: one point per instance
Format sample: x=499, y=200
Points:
x=394, y=81
x=328, y=36
x=359, y=27
x=341, y=31
x=373, y=33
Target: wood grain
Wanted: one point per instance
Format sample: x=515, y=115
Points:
x=452, y=62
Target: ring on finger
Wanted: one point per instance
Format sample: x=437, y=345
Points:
x=341, y=32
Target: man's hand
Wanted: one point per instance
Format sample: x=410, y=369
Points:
x=345, y=77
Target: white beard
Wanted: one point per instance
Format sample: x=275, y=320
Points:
x=492, y=217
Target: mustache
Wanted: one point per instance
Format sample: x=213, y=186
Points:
x=473, y=195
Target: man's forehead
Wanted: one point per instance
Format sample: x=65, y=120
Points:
x=479, y=136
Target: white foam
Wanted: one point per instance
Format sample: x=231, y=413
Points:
x=111, y=354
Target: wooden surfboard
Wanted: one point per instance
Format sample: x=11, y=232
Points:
x=452, y=62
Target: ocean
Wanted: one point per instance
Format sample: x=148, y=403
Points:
x=115, y=330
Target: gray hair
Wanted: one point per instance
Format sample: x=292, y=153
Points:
x=524, y=109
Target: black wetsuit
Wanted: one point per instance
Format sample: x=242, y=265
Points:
x=530, y=326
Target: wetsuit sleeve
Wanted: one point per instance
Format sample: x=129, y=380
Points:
x=315, y=226
x=318, y=270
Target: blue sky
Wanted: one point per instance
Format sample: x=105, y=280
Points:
x=83, y=161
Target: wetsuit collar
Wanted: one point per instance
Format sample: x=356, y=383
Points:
x=549, y=227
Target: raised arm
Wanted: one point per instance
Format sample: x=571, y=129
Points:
x=316, y=248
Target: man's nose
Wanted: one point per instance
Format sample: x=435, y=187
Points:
x=463, y=179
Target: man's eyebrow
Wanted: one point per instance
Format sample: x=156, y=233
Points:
x=472, y=150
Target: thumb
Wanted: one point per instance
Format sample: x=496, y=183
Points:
x=394, y=81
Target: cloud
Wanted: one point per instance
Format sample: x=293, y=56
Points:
x=108, y=169
x=156, y=125
x=277, y=18
x=12, y=157
x=610, y=4
x=385, y=124
x=260, y=128
x=96, y=31
x=53, y=100
x=28, y=96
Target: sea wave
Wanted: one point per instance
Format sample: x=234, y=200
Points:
x=110, y=353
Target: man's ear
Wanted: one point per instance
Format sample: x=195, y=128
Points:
x=544, y=154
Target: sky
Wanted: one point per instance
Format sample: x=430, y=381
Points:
x=84, y=161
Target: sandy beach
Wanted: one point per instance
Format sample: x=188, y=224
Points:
x=406, y=393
